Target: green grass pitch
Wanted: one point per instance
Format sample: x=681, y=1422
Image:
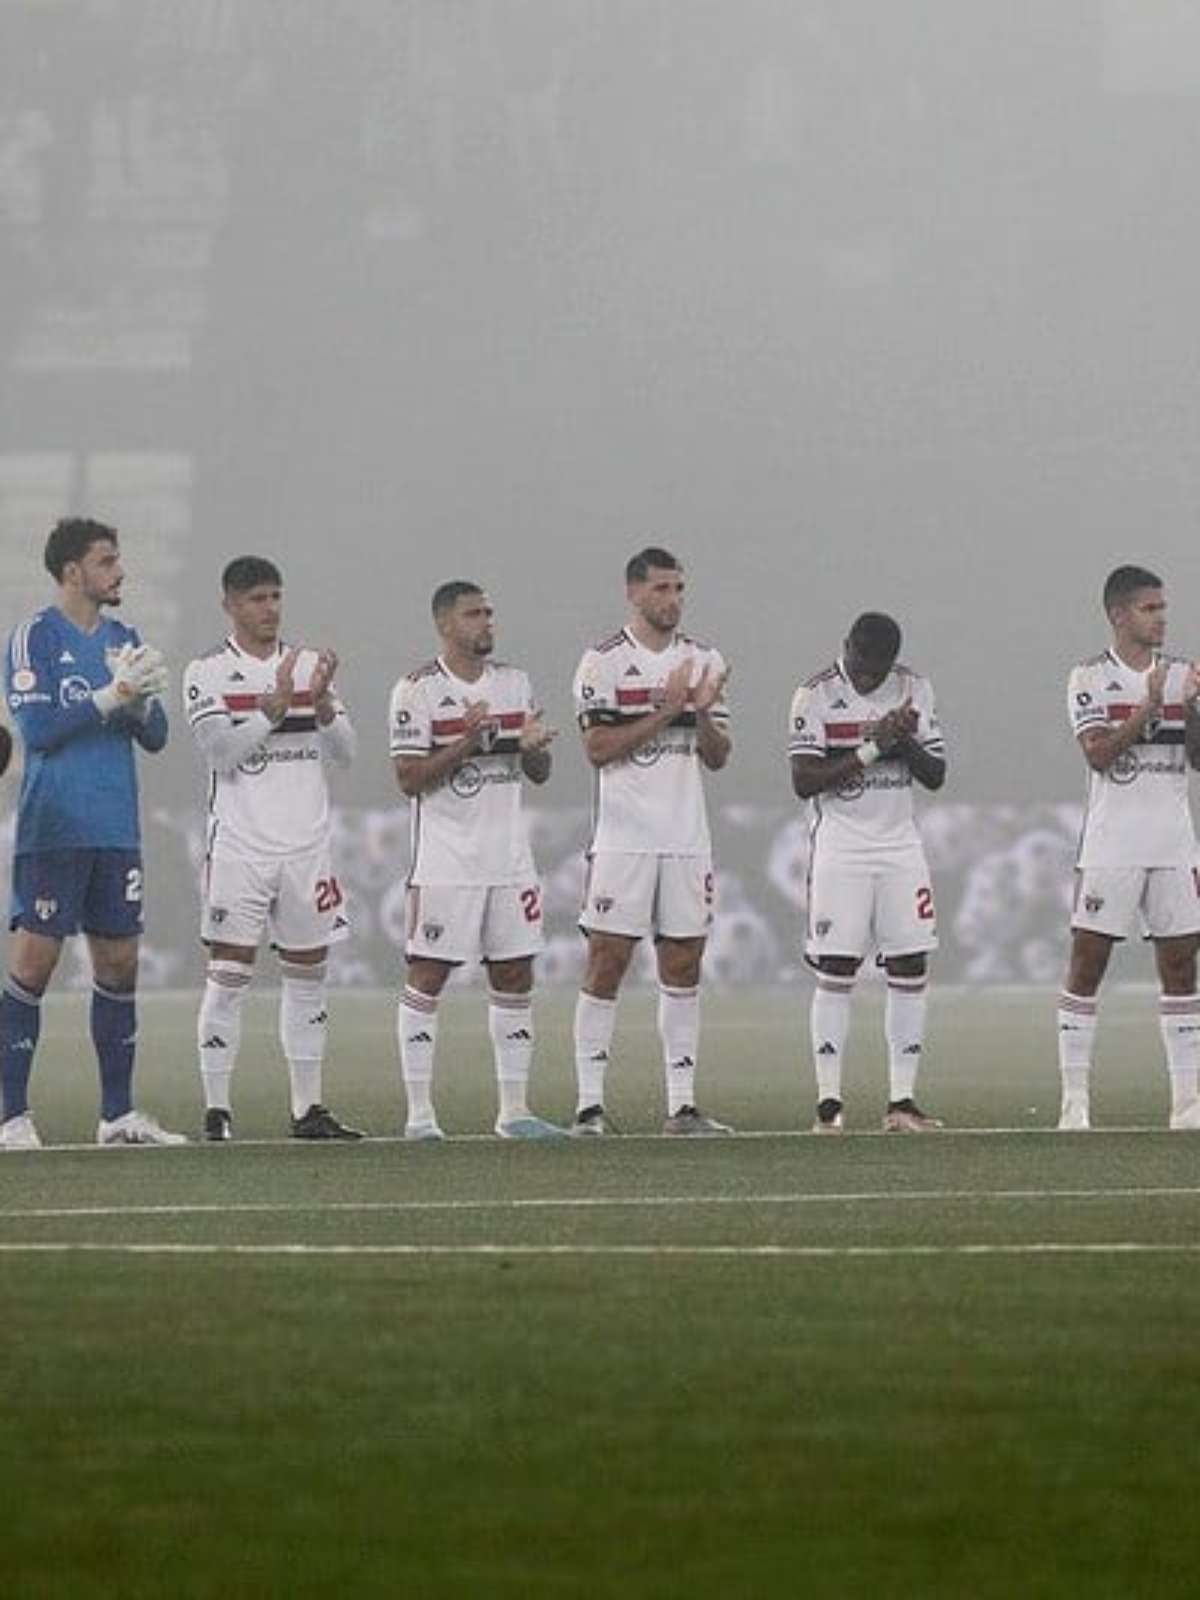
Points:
x=959, y=1365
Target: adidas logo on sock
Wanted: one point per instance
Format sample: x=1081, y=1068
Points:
x=214, y=1042
x=520, y=1036
x=420, y=1038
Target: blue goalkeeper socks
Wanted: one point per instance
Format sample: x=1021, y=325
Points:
x=20, y=1025
x=114, y=1034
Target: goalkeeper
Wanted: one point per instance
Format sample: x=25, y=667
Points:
x=83, y=691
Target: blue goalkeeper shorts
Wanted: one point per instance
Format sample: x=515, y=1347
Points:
x=60, y=892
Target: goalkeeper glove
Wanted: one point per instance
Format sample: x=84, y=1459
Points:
x=138, y=673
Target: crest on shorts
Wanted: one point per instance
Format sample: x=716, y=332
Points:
x=1092, y=903
x=44, y=909
x=822, y=926
x=217, y=914
x=603, y=903
x=432, y=931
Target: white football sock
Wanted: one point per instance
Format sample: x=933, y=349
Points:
x=594, y=1024
x=679, y=1030
x=829, y=1024
x=510, y=1024
x=303, y=1024
x=904, y=1028
x=1076, y=1034
x=416, y=1031
x=1179, y=1022
x=219, y=1028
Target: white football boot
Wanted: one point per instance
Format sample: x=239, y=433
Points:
x=19, y=1133
x=136, y=1127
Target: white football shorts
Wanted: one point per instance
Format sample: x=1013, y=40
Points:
x=295, y=899
x=867, y=904
x=670, y=897
x=450, y=922
x=1161, y=902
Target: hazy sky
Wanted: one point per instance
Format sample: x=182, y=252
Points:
x=852, y=304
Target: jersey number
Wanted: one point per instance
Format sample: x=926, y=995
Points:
x=329, y=894
x=531, y=904
x=924, y=905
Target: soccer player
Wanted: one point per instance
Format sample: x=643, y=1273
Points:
x=1133, y=710
x=464, y=733
x=84, y=690
x=650, y=703
x=861, y=731
x=269, y=724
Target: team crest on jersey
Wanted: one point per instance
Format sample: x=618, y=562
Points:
x=44, y=909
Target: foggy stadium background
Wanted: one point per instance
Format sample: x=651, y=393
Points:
x=851, y=305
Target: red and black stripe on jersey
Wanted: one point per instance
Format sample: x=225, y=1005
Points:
x=301, y=719
x=445, y=730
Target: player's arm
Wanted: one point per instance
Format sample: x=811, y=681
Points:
x=534, y=742
x=223, y=743
x=813, y=770
x=1191, y=715
x=339, y=741
x=6, y=749
x=713, y=744
x=1104, y=742
x=609, y=737
x=43, y=721
x=910, y=734
x=814, y=774
x=417, y=773
x=149, y=725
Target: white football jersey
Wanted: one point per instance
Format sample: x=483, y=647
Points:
x=276, y=800
x=873, y=810
x=1137, y=812
x=471, y=830
x=652, y=803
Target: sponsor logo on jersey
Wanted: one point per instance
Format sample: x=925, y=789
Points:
x=646, y=755
x=73, y=691
x=446, y=700
x=467, y=781
x=1109, y=688
x=1083, y=699
x=633, y=670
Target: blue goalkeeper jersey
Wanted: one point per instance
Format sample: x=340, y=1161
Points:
x=80, y=785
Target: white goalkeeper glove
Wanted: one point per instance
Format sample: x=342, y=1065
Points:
x=138, y=674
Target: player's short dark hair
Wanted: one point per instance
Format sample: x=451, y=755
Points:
x=637, y=568
x=447, y=595
x=248, y=572
x=70, y=540
x=1123, y=583
x=876, y=636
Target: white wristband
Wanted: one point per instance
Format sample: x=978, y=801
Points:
x=867, y=753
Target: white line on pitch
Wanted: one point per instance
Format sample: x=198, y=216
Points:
x=809, y=1252
x=594, y=1202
